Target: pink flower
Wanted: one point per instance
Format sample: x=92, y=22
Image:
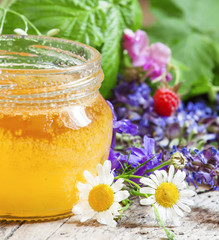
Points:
x=154, y=59
x=137, y=45
x=160, y=53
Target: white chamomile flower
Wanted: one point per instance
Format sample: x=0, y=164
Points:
x=99, y=199
x=168, y=194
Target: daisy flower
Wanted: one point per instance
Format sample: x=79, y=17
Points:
x=99, y=198
x=168, y=194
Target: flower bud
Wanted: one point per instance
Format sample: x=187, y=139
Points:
x=178, y=160
x=53, y=32
x=20, y=31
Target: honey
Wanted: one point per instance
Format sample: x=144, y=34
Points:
x=45, y=147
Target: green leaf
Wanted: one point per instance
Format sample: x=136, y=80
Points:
x=169, y=30
x=99, y=23
x=132, y=14
x=197, y=53
x=82, y=20
x=137, y=15
x=111, y=50
x=164, y=9
x=126, y=14
x=190, y=28
x=201, y=15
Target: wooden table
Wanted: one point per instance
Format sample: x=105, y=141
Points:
x=136, y=224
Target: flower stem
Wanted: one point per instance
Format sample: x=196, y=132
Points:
x=128, y=176
x=169, y=233
x=158, y=167
x=177, y=73
x=133, y=183
x=160, y=78
x=3, y=19
x=137, y=193
x=26, y=20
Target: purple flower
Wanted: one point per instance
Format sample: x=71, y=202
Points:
x=116, y=159
x=190, y=125
x=217, y=101
x=154, y=59
x=141, y=155
x=135, y=157
x=133, y=94
x=202, y=166
x=122, y=126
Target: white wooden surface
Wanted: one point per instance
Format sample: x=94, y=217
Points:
x=136, y=224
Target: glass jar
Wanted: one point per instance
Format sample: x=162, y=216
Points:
x=54, y=124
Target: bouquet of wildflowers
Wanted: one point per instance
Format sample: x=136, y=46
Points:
x=160, y=144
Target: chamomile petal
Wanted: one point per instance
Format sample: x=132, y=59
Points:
x=147, y=190
x=81, y=206
x=107, y=167
x=171, y=173
x=84, y=195
x=159, y=176
x=187, y=193
x=187, y=201
x=99, y=199
x=169, y=195
x=147, y=201
x=183, y=206
x=149, y=182
x=109, y=179
x=83, y=187
x=165, y=177
x=89, y=177
x=154, y=178
x=100, y=171
x=162, y=212
x=115, y=208
x=178, y=211
x=108, y=217
x=121, y=195
x=118, y=185
x=87, y=216
x=179, y=177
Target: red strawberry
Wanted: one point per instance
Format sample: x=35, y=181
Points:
x=166, y=101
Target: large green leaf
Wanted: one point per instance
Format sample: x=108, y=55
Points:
x=82, y=20
x=190, y=28
x=99, y=23
x=111, y=50
x=195, y=52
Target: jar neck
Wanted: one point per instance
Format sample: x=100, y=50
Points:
x=41, y=71
x=53, y=90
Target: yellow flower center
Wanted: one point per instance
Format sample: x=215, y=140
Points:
x=166, y=194
x=101, y=197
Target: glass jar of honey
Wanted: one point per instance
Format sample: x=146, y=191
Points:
x=54, y=124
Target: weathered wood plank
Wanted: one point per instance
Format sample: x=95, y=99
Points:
x=7, y=229
x=137, y=224
x=37, y=231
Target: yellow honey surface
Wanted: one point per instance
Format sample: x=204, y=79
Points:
x=43, y=154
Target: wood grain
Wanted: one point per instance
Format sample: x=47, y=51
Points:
x=136, y=224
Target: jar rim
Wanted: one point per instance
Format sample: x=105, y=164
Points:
x=95, y=57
